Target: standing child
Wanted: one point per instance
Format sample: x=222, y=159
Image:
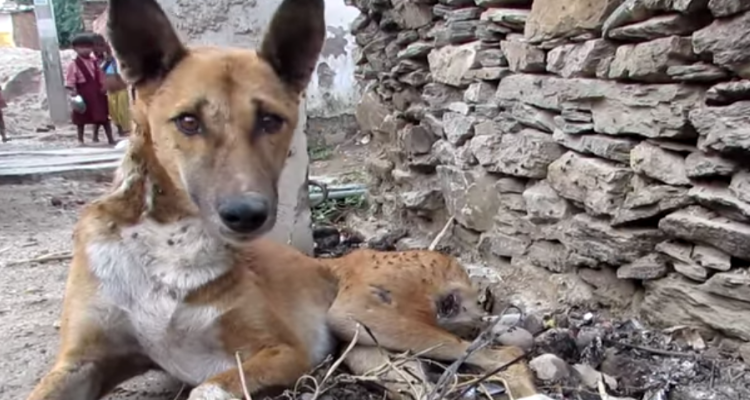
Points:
x=2, y=119
x=117, y=93
x=85, y=78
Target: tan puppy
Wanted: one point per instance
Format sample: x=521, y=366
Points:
x=168, y=270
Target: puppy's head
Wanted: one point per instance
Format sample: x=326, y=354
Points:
x=220, y=120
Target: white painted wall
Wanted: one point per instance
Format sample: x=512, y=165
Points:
x=342, y=96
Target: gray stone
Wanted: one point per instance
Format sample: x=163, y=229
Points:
x=416, y=79
x=549, y=368
x=596, y=239
x=512, y=18
x=676, y=250
x=405, y=38
x=719, y=198
x=459, y=107
x=544, y=205
x=533, y=117
x=609, y=147
x=691, y=271
x=609, y=290
x=416, y=50
x=422, y=200
x=458, y=128
x=517, y=337
x=371, y=112
x=698, y=72
x=659, y=164
x=702, y=165
x=591, y=377
x=454, y=32
x=480, y=92
x=488, y=127
x=512, y=201
x=548, y=255
x=676, y=301
x=574, y=115
x=492, y=58
x=651, y=266
x=488, y=74
x=740, y=185
x=697, y=224
x=658, y=27
x=463, y=14
x=550, y=19
x=599, y=186
x=723, y=129
x=469, y=197
x=649, y=61
x=745, y=353
x=711, y=258
x=728, y=92
x=725, y=8
x=502, y=3
x=654, y=111
x=721, y=42
x=417, y=139
x=501, y=244
x=620, y=64
x=448, y=154
x=449, y=64
x=411, y=15
x=586, y=60
x=523, y=57
x=646, y=201
x=524, y=154
x=433, y=124
x=573, y=128
x=487, y=110
x=733, y=286
x=688, y=6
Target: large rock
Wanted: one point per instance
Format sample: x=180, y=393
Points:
x=723, y=41
x=723, y=129
x=511, y=18
x=652, y=266
x=544, y=205
x=699, y=225
x=702, y=165
x=733, y=286
x=524, y=154
x=548, y=255
x=533, y=117
x=469, y=196
x=654, y=111
x=609, y=147
x=658, y=27
x=596, y=239
x=503, y=244
x=649, y=61
x=676, y=301
x=522, y=56
x=725, y=8
x=598, y=185
x=649, y=200
x=410, y=14
x=371, y=112
x=719, y=198
x=585, y=60
x=458, y=128
x=550, y=19
x=728, y=92
x=449, y=64
x=657, y=163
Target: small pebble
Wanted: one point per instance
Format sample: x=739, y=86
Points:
x=549, y=367
x=518, y=337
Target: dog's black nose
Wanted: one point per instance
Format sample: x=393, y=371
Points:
x=245, y=213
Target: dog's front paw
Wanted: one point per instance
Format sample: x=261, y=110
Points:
x=208, y=391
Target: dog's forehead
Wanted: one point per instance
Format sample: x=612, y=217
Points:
x=225, y=70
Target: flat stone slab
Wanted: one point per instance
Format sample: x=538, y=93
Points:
x=80, y=163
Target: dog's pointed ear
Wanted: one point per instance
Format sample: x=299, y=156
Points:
x=143, y=40
x=294, y=40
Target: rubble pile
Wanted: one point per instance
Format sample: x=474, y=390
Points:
x=615, y=158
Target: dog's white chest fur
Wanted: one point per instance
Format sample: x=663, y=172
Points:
x=144, y=278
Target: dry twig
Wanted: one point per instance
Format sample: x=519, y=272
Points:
x=442, y=234
x=242, y=376
x=65, y=256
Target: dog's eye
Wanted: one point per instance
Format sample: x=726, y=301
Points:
x=188, y=124
x=268, y=123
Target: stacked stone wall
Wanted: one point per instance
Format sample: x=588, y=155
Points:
x=601, y=138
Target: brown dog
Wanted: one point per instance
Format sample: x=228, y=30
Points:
x=168, y=270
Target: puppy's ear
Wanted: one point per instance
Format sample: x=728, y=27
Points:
x=143, y=40
x=294, y=39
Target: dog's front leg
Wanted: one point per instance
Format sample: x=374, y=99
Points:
x=271, y=368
